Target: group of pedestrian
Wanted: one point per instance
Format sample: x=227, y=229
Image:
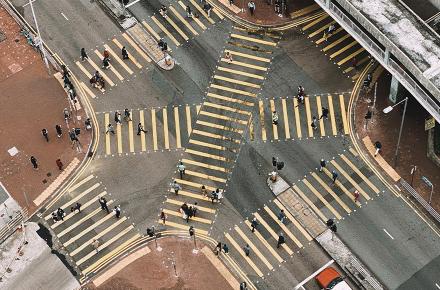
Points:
x=68, y=85
x=58, y=215
x=127, y=118
x=221, y=247
x=188, y=212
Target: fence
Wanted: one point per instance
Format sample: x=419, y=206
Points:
x=16, y=220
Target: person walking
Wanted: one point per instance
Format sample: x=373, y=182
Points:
x=127, y=114
x=110, y=129
x=140, y=129
x=334, y=176
x=59, y=130
x=95, y=245
x=34, y=162
x=117, y=211
x=254, y=224
x=103, y=203
x=45, y=134
x=228, y=57
x=163, y=216
x=77, y=207
x=163, y=11
x=282, y=216
x=189, y=13
x=275, y=118
x=251, y=6
x=208, y=8
x=176, y=187
x=124, y=53
x=247, y=250
x=59, y=164
x=105, y=63
x=106, y=54
x=313, y=124
x=356, y=195
x=218, y=248
x=322, y=164
x=243, y=286
x=204, y=191
x=60, y=213
x=84, y=55
x=378, y=147
x=118, y=119
x=281, y=240
x=225, y=248
x=181, y=169
x=324, y=113
x=88, y=124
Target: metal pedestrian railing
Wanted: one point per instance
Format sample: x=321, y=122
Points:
x=421, y=200
x=14, y=222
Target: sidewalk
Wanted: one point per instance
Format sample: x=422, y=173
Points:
x=32, y=100
x=148, y=268
x=414, y=140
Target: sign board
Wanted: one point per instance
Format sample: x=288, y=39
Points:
x=429, y=123
x=426, y=180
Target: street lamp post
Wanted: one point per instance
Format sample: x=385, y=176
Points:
x=386, y=111
x=41, y=44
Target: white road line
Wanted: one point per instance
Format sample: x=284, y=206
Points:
x=28, y=3
x=388, y=234
x=64, y=16
x=438, y=286
x=132, y=3
x=300, y=285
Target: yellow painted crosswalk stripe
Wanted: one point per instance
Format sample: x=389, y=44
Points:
x=244, y=64
x=274, y=127
x=188, y=120
x=265, y=243
x=178, y=214
x=322, y=199
x=297, y=118
x=200, y=23
x=228, y=99
x=141, y=120
x=293, y=220
x=82, y=68
x=362, y=61
x=321, y=121
x=173, y=39
x=191, y=194
x=335, y=43
x=322, y=39
x=174, y=25
x=241, y=251
x=283, y=227
x=332, y=114
x=204, y=165
x=272, y=232
x=253, y=247
x=340, y=185
x=201, y=11
x=344, y=114
x=130, y=134
x=358, y=172
x=165, y=128
x=305, y=10
x=93, y=226
x=216, y=136
x=208, y=145
x=252, y=39
x=118, y=59
x=132, y=58
x=345, y=48
x=234, y=81
x=286, y=119
x=313, y=23
x=226, y=108
x=151, y=30
x=184, y=227
x=262, y=125
x=198, y=107
x=82, y=182
x=221, y=127
x=112, y=68
x=250, y=56
x=177, y=124
x=241, y=92
x=107, y=79
x=107, y=135
x=205, y=176
x=238, y=72
x=310, y=203
x=350, y=56
x=119, y=137
x=207, y=155
x=309, y=116
x=332, y=193
x=153, y=125
x=218, y=13
x=183, y=21
x=136, y=47
x=222, y=117
x=200, y=208
x=348, y=177
x=88, y=91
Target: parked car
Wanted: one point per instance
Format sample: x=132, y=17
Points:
x=329, y=278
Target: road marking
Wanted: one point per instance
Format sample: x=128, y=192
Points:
x=188, y=120
x=438, y=286
x=313, y=23
x=29, y=3
x=241, y=92
x=107, y=134
x=234, y=81
x=204, y=165
x=107, y=79
x=205, y=176
x=222, y=117
x=332, y=115
x=88, y=91
x=238, y=72
x=198, y=107
x=358, y=172
x=250, y=56
x=132, y=58
x=132, y=3
x=141, y=120
x=165, y=128
x=208, y=145
x=251, y=39
x=309, y=116
x=151, y=30
x=304, y=11
x=244, y=64
x=263, y=127
x=297, y=118
x=183, y=21
x=196, y=19
x=195, y=184
x=153, y=125
x=228, y=99
x=178, y=214
x=218, y=13
x=118, y=59
x=241, y=251
x=265, y=243
x=341, y=186
x=65, y=17
x=286, y=119
x=83, y=181
x=322, y=39
x=362, y=61
x=335, y=54
x=186, y=193
x=388, y=234
x=300, y=285
x=344, y=114
x=335, y=43
x=130, y=134
x=310, y=203
x=221, y=127
x=211, y=135
x=165, y=30
x=192, y=195
x=94, y=225
x=203, y=154
x=283, y=227
x=226, y=108
x=136, y=47
x=274, y=127
x=321, y=121
x=332, y=193
x=294, y=221
x=184, y=227
x=117, y=74
x=271, y=232
x=202, y=11
x=177, y=124
x=350, y=57
x=82, y=68
x=253, y=247
x=174, y=25
x=348, y=177
x=119, y=137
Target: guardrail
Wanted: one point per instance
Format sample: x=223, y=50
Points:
x=383, y=57
x=11, y=226
x=361, y=271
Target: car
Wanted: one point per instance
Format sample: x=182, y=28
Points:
x=329, y=278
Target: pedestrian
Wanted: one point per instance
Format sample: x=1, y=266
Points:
x=275, y=118
x=195, y=209
x=66, y=72
x=163, y=11
x=356, y=196
x=247, y=250
x=66, y=114
x=176, y=187
x=141, y=129
x=251, y=6
x=208, y=8
x=324, y=113
x=231, y=2
x=322, y=164
x=225, y=248
x=77, y=207
x=254, y=224
x=281, y=240
x=117, y=211
x=88, y=124
x=204, y=191
x=127, y=116
x=59, y=130
x=162, y=45
x=313, y=124
x=110, y=129
x=243, y=286
x=54, y=217
x=95, y=245
x=282, y=216
x=84, y=55
x=354, y=63
x=378, y=147
x=73, y=136
x=274, y=161
x=60, y=213
x=163, y=216
x=181, y=169
x=106, y=54
x=67, y=81
x=118, y=119
x=218, y=248
x=103, y=203
x=34, y=162
x=45, y=134
x=59, y=164
x=334, y=176
x=188, y=11
x=300, y=99
x=124, y=53
x=105, y=63
x=228, y=57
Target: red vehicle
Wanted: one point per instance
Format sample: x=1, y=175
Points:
x=329, y=278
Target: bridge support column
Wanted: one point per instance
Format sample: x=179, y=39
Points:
x=394, y=88
x=327, y=3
